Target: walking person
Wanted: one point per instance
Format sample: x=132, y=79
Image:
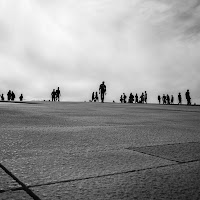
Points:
x=124, y=97
x=93, y=97
x=58, y=94
x=179, y=98
x=159, y=99
x=187, y=96
x=53, y=95
x=12, y=96
x=21, y=97
x=96, y=97
x=136, y=98
x=172, y=99
x=102, y=91
x=145, y=96
x=2, y=97
x=9, y=95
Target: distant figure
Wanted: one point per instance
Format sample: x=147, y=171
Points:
x=124, y=98
x=21, y=97
x=121, y=99
x=12, y=96
x=168, y=99
x=172, y=99
x=2, y=97
x=164, y=99
x=179, y=98
x=136, y=98
x=96, y=97
x=187, y=96
x=159, y=99
x=142, y=98
x=9, y=95
x=58, y=94
x=145, y=97
x=53, y=95
x=131, y=98
x=93, y=98
x=102, y=91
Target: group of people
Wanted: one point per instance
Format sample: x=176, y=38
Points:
x=95, y=97
x=102, y=92
x=134, y=99
x=11, y=96
x=55, y=95
x=167, y=100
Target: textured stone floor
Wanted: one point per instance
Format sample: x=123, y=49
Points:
x=63, y=150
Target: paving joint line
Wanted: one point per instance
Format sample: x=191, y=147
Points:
x=106, y=175
x=24, y=187
x=11, y=189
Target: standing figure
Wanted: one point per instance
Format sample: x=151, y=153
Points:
x=131, y=98
x=124, y=97
x=164, y=99
x=121, y=99
x=9, y=95
x=58, y=94
x=136, y=98
x=102, y=91
x=93, y=97
x=142, y=98
x=53, y=95
x=21, y=97
x=96, y=97
x=179, y=98
x=2, y=97
x=12, y=96
x=187, y=96
x=159, y=99
x=145, y=97
x=168, y=99
x=172, y=99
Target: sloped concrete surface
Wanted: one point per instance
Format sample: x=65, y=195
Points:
x=66, y=150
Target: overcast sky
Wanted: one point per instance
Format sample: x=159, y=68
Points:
x=132, y=45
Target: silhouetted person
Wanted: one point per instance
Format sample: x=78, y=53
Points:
x=9, y=95
x=172, y=99
x=12, y=96
x=159, y=99
x=93, y=97
x=21, y=97
x=102, y=91
x=58, y=94
x=124, y=97
x=168, y=99
x=179, y=98
x=121, y=99
x=164, y=99
x=187, y=96
x=2, y=97
x=96, y=96
x=145, y=97
x=131, y=98
x=136, y=98
x=142, y=98
x=53, y=95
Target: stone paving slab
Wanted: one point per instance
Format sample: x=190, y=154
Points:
x=45, y=169
x=183, y=152
x=181, y=182
x=6, y=182
x=15, y=195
